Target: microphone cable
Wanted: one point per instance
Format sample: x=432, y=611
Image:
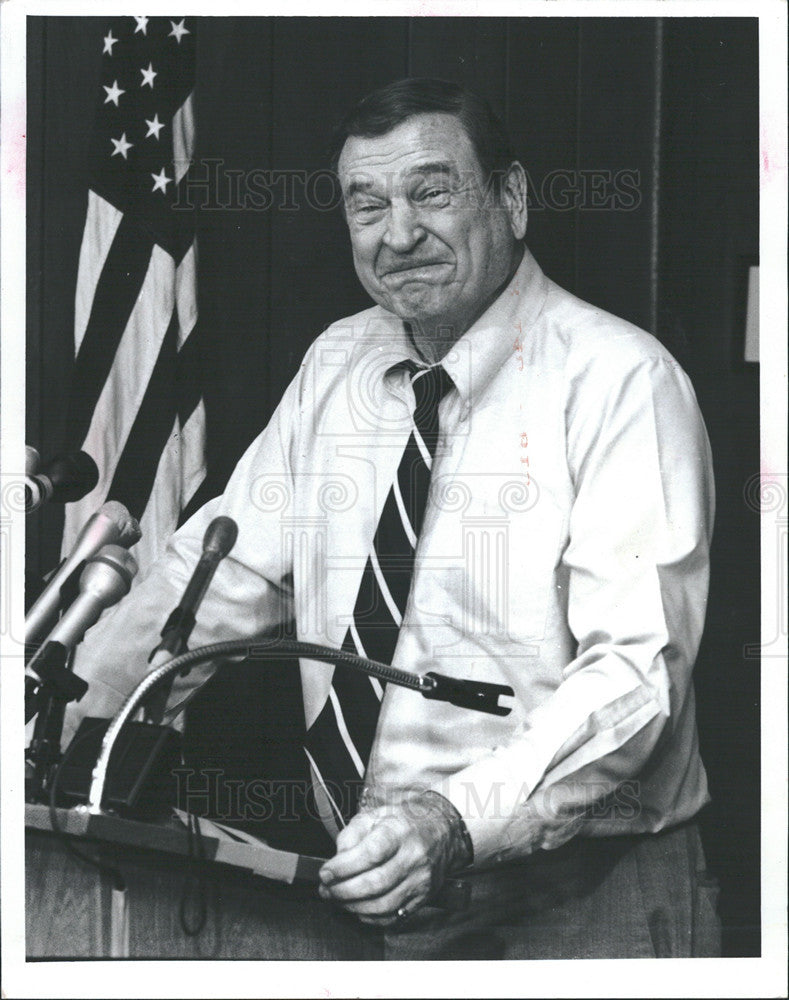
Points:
x=107, y=871
x=194, y=888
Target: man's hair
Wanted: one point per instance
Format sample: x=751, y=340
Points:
x=386, y=108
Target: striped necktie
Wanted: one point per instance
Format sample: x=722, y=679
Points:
x=338, y=743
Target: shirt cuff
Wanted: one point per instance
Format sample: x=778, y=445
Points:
x=487, y=798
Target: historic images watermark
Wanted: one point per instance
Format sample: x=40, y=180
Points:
x=212, y=185
x=216, y=794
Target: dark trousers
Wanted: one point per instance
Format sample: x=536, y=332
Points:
x=646, y=896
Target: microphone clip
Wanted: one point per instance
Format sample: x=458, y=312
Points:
x=480, y=695
x=175, y=634
x=57, y=680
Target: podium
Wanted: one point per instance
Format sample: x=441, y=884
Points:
x=260, y=903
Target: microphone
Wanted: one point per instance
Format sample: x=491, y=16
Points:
x=112, y=524
x=32, y=460
x=219, y=539
x=106, y=578
x=63, y=479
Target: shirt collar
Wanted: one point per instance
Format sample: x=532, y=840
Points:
x=484, y=347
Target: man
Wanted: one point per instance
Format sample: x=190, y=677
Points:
x=562, y=549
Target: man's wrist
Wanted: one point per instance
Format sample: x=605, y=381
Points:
x=460, y=846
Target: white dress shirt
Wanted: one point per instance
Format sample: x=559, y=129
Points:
x=564, y=552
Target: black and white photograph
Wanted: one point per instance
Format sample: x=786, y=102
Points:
x=397, y=570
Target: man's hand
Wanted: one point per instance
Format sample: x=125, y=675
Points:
x=390, y=860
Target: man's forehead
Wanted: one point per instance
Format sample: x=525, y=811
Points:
x=425, y=142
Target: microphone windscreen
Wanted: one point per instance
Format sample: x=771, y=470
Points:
x=73, y=476
x=32, y=460
x=129, y=531
x=220, y=537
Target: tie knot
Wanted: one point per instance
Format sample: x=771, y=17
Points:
x=430, y=386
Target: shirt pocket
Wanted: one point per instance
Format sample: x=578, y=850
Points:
x=507, y=541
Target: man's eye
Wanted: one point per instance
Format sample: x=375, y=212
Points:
x=433, y=196
x=367, y=213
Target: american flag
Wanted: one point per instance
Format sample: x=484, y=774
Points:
x=136, y=404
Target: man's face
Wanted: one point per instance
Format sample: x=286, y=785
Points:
x=428, y=243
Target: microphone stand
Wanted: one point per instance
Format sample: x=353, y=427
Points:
x=48, y=698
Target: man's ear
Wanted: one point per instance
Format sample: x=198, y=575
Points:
x=513, y=196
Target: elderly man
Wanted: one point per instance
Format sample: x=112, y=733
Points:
x=484, y=476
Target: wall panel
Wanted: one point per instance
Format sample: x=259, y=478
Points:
x=468, y=50
x=542, y=116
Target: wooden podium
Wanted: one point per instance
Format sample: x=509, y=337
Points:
x=260, y=903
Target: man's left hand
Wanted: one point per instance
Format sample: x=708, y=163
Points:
x=390, y=860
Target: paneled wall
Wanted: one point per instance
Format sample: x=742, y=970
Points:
x=640, y=139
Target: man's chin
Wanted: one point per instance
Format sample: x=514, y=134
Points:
x=420, y=309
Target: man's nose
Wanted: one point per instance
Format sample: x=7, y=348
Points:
x=403, y=229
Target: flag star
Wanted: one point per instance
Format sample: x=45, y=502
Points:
x=109, y=41
x=142, y=24
x=179, y=30
x=113, y=93
x=160, y=181
x=154, y=126
x=148, y=75
x=121, y=145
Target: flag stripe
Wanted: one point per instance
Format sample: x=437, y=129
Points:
x=193, y=469
x=186, y=300
x=163, y=505
x=188, y=380
x=121, y=281
x=139, y=460
x=101, y=227
x=183, y=138
x=179, y=239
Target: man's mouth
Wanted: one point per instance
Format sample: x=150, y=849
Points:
x=428, y=270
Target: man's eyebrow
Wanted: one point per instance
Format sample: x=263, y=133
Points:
x=363, y=185
x=433, y=167
x=359, y=185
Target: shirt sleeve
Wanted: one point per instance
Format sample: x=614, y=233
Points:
x=637, y=562
x=251, y=590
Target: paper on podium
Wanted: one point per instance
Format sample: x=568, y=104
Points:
x=245, y=850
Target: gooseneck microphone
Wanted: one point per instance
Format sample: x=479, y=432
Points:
x=112, y=524
x=64, y=479
x=219, y=539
